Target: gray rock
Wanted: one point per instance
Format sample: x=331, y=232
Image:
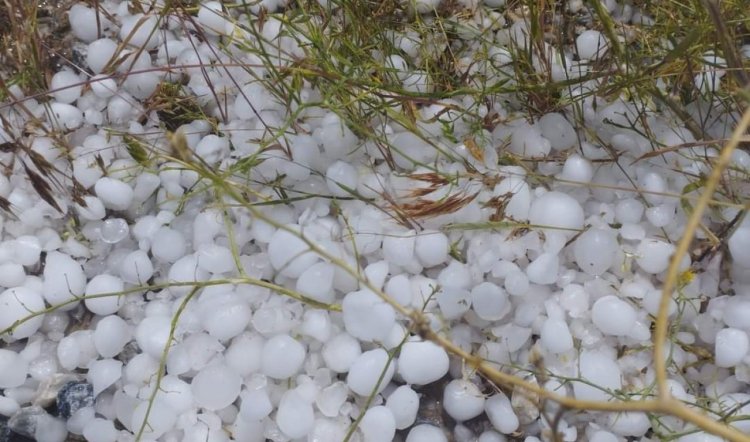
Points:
x=73, y=396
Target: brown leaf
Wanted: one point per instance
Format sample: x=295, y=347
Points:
x=42, y=187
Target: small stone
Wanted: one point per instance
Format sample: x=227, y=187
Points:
x=73, y=396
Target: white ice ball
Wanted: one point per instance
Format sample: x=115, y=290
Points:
x=653, y=255
x=100, y=285
x=13, y=369
x=99, y=54
x=404, y=404
x=556, y=210
x=367, y=316
x=731, y=347
x=367, y=370
x=152, y=335
x=378, y=424
x=225, y=315
x=282, y=357
x=289, y=254
x=558, y=131
x=66, y=86
x=421, y=363
x=577, y=169
x=295, y=416
x=341, y=178
x=136, y=268
x=316, y=282
x=600, y=372
x=613, y=316
x=83, y=22
x=555, y=336
x=111, y=335
x=16, y=304
x=141, y=31
x=426, y=433
x=591, y=45
x=500, y=412
x=115, y=194
x=462, y=400
x=489, y=301
x=739, y=246
x=216, y=386
x=595, y=251
x=64, y=280
x=340, y=352
x=431, y=248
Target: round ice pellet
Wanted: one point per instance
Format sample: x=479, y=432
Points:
x=557, y=130
x=340, y=352
x=226, y=315
x=317, y=282
x=168, y=245
x=367, y=370
x=155, y=418
x=215, y=258
x=462, y=400
x=555, y=336
x=653, y=255
x=295, y=416
x=103, y=86
x=104, y=284
x=426, y=433
x=500, y=412
x=64, y=279
x=26, y=250
x=595, y=251
x=731, y=346
x=141, y=31
x=600, y=372
x=431, y=248
x=378, y=424
x=613, y=316
x=115, y=194
x=398, y=247
x=65, y=86
x=577, y=169
x=83, y=22
x=152, y=334
x=516, y=283
x=110, y=336
x=282, y=357
x=13, y=369
x=404, y=404
x=114, y=230
x=489, y=301
x=421, y=363
x=244, y=353
x=739, y=246
x=366, y=316
x=136, y=268
x=102, y=373
x=99, y=54
x=100, y=430
x=556, y=210
x=216, y=386
x=591, y=44
x=16, y=304
x=289, y=254
x=341, y=178
x=544, y=269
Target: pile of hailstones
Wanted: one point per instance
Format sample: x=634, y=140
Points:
x=248, y=363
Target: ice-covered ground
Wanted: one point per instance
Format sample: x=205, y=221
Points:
x=223, y=279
